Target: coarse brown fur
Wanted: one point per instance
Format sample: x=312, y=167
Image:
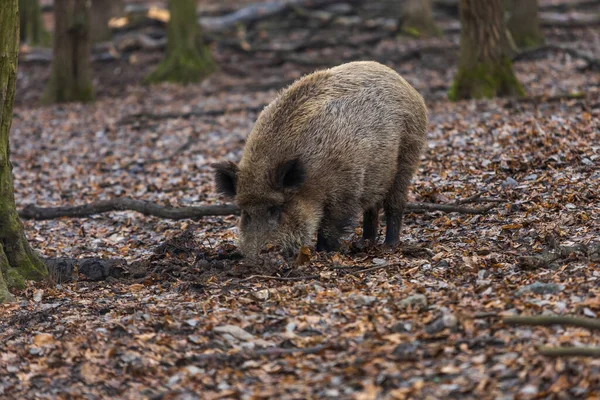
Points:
x=335, y=143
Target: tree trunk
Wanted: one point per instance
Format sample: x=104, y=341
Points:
x=18, y=261
x=524, y=24
x=418, y=20
x=102, y=12
x=32, y=27
x=186, y=60
x=71, y=76
x=484, y=67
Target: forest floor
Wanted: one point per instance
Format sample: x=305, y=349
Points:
x=186, y=320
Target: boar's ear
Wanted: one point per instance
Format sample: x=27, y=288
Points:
x=290, y=174
x=225, y=177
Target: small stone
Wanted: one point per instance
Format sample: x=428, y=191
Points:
x=261, y=294
x=379, y=261
x=363, y=300
x=193, y=370
x=446, y=321
x=529, y=390
x=587, y=161
x=417, y=300
x=510, y=182
x=589, y=313
x=540, y=288
x=195, y=339
x=234, y=331
x=407, y=351
x=192, y=322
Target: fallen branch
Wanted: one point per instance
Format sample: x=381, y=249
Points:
x=570, y=351
x=197, y=212
x=125, y=204
x=581, y=322
x=592, y=62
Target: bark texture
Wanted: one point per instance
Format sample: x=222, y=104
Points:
x=32, y=27
x=524, y=23
x=18, y=261
x=187, y=59
x=102, y=12
x=71, y=76
x=484, y=67
x=418, y=19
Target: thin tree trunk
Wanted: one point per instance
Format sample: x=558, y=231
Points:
x=484, y=67
x=32, y=27
x=18, y=261
x=418, y=19
x=102, y=11
x=524, y=23
x=71, y=76
x=185, y=60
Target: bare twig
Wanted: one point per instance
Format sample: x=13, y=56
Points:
x=279, y=278
x=570, y=351
x=546, y=320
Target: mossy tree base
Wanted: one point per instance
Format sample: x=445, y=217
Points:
x=484, y=67
x=417, y=20
x=18, y=261
x=187, y=59
x=486, y=80
x=182, y=68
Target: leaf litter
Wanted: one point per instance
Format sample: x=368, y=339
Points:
x=188, y=319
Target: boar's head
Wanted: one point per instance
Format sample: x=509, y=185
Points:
x=273, y=209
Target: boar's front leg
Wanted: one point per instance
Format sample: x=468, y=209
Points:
x=335, y=222
x=394, y=205
x=370, y=224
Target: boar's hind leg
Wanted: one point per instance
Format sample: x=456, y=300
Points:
x=370, y=224
x=335, y=222
x=394, y=206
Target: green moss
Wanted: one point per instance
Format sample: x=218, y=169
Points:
x=486, y=80
x=411, y=31
x=182, y=68
x=14, y=280
x=187, y=59
x=527, y=40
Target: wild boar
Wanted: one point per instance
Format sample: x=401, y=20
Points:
x=335, y=143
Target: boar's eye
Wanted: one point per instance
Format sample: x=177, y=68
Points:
x=245, y=218
x=274, y=212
